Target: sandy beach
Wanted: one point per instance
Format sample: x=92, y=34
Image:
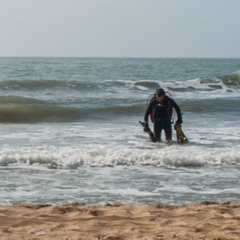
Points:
x=115, y=221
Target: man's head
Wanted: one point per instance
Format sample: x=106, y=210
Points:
x=160, y=92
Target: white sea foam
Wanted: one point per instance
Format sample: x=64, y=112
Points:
x=72, y=157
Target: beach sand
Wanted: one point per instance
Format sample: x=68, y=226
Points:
x=115, y=221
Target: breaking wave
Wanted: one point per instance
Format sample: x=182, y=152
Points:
x=72, y=158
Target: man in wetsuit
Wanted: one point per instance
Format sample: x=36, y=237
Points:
x=160, y=108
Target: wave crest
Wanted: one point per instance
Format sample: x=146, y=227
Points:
x=72, y=158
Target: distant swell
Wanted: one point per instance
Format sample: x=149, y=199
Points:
x=29, y=110
x=32, y=85
x=232, y=80
x=31, y=114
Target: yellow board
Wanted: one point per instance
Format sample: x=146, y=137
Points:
x=181, y=138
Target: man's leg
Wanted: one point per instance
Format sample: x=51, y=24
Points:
x=158, y=130
x=168, y=130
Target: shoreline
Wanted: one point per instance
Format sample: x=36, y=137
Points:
x=115, y=221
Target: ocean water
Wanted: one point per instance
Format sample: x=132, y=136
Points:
x=70, y=132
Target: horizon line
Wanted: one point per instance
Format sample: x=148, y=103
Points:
x=119, y=57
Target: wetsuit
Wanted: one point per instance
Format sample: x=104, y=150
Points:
x=161, y=118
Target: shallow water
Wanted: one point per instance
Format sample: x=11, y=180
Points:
x=70, y=132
